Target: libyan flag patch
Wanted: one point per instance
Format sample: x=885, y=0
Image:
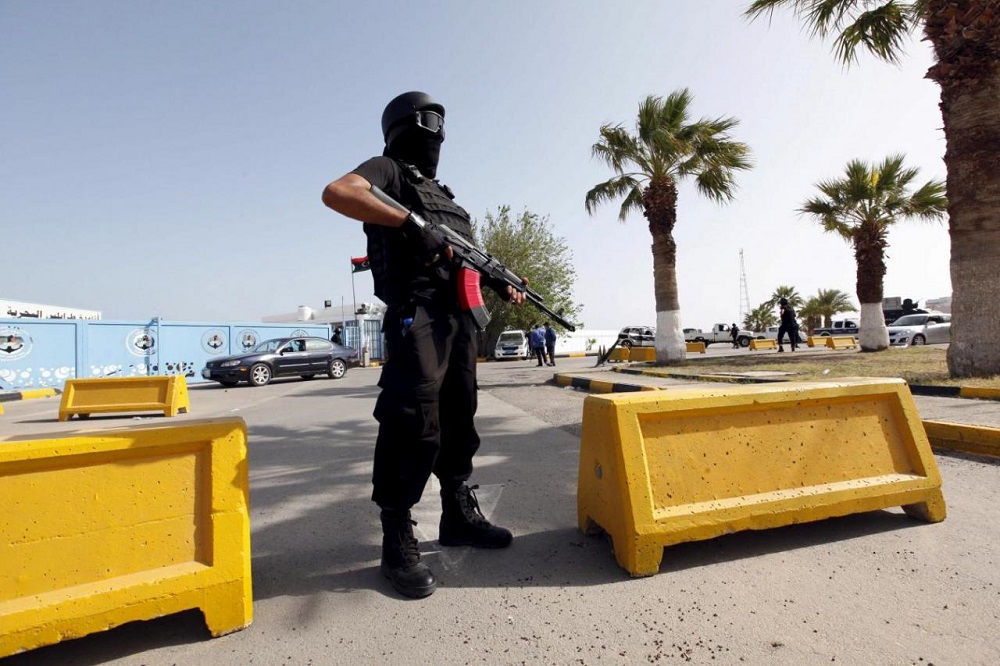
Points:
x=359, y=264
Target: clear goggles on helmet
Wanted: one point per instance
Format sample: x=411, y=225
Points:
x=430, y=121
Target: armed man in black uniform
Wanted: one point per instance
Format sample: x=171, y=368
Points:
x=431, y=342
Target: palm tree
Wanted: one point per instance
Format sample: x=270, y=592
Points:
x=667, y=148
x=811, y=313
x=788, y=293
x=760, y=317
x=965, y=35
x=860, y=208
x=829, y=302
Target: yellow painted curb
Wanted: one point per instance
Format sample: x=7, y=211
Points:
x=38, y=393
x=979, y=440
x=984, y=393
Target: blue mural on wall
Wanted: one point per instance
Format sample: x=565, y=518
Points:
x=44, y=353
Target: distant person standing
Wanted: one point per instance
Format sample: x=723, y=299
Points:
x=537, y=339
x=550, y=343
x=338, y=336
x=734, y=332
x=788, y=325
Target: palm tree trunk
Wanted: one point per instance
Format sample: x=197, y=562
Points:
x=966, y=41
x=869, y=253
x=660, y=208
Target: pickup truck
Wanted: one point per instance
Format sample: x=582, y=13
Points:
x=719, y=333
x=845, y=327
x=771, y=333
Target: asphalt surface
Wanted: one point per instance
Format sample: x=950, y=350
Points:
x=872, y=588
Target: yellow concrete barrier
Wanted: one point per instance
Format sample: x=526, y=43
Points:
x=618, y=354
x=696, y=348
x=811, y=341
x=642, y=355
x=980, y=440
x=763, y=344
x=156, y=393
x=841, y=342
x=662, y=468
x=106, y=527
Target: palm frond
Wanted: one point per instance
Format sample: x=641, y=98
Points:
x=879, y=27
x=622, y=186
x=882, y=31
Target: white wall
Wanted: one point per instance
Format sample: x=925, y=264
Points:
x=584, y=340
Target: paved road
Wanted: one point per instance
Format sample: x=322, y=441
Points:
x=875, y=588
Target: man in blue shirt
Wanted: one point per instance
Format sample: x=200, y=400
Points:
x=550, y=343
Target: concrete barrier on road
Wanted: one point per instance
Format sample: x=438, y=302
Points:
x=110, y=526
x=811, y=341
x=756, y=344
x=618, y=355
x=696, y=348
x=980, y=440
x=662, y=468
x=642, y=355
x=103, y=395
x=841, y=342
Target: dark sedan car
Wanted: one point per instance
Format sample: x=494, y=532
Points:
x=282, y=357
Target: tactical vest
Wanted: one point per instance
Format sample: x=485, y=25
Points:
x=397, y=271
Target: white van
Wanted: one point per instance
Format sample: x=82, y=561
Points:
x=512, y=344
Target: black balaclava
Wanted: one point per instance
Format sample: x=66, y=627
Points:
x=419, y=147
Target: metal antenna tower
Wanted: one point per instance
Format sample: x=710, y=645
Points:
x=744, y=290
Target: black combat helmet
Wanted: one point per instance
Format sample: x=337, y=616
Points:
x=783, y=301
x=404, y=108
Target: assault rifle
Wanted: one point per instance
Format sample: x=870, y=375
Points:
x=473, y=263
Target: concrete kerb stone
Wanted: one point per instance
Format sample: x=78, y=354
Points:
x=29, y=394
x=762, y=377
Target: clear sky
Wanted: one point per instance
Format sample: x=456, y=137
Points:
x=167, y=158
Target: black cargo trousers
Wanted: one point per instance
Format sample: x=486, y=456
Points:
x=428, y=401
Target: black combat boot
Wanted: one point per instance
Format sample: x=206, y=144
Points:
x=463, y=523
x=401, y=556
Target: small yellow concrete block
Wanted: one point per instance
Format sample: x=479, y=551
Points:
x=811, y=341
x=662, y=468
x=696, y=347
x=756, y=344
x=146, y=521
x=841, y=342
x=642, y=355
x=619, y=354
x=102, y=395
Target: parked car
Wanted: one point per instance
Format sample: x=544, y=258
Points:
x=282, y=357
x=511, y=344
x=637, y=336
x=920, y=329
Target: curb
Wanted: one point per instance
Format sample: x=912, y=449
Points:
x=955, y=392
x=10, y=396
x=598, y=386
x=976, y=440
x=915, y=389
x=732, y=379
